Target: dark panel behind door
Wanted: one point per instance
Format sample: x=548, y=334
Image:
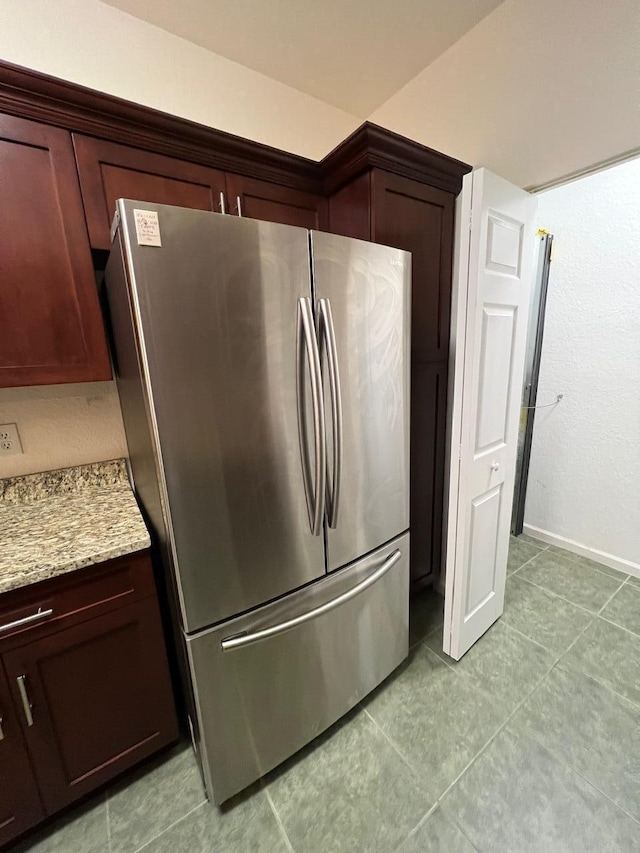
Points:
x=419, y=218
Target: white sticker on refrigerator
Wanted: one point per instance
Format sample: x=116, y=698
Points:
x=147, y=227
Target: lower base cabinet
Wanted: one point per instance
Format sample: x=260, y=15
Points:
x=20, y=804
x=79, y=705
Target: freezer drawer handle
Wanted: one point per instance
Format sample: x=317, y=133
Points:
x=306, y=340
x=242, y=640
x=326, y=333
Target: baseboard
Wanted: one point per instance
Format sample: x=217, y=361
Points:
x=583, y=550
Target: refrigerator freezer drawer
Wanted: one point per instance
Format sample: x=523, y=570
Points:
x=267, y=683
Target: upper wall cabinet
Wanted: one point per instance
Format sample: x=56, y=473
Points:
x=109, y=171
x=50, y=321
x=265, y=200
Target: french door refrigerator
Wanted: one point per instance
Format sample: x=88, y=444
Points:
x=263, y=373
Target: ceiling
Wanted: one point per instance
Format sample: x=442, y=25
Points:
x=353, y=54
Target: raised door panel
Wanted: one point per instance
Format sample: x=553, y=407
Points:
x=20, y=805
x=428, y=425
x=109, y=171
x=350, y=209
x=94, y=700
x=52, y=329
x=419, y=219
x=275, y=203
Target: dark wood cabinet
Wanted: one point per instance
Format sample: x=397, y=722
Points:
x=265, y=200
x=87, y=692
x=376, y=185
x=20, y=804
x=52, y=328
x=100, y=700
x=412, y=215
x=109, y=171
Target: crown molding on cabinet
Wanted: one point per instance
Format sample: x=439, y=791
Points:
x=33, y=95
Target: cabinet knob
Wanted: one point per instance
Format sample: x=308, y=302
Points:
x=495, y=466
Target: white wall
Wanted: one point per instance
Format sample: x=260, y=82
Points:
x=535, y=91
x=584, y=479
x=95, y=45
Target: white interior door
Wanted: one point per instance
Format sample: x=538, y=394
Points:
x=492, y=279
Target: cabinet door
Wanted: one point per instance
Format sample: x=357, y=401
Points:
x=275, y=203
x=20, y=805
x=109, y=171
x=418, y=218
x=93, y=700
x=50, y=317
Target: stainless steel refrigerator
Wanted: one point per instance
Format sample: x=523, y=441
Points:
x=263, y=373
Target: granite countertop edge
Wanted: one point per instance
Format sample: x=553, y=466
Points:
x=61, y=521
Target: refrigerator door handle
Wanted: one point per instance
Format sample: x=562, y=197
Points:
x=242, y=640
x=326, y=334
x=306, y=341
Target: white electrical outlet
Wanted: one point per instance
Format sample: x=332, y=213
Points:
x=10, y=443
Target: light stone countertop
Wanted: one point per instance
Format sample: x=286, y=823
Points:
x=58, y=521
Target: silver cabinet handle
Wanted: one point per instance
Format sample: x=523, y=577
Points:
x=26, y=702
x=306, y=340
x=35, y=617
x=239, y=205
x=248, y=639
x=1, y=729
x=326, y=333
x=223, y=205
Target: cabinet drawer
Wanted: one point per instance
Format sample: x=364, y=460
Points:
x=34, y=611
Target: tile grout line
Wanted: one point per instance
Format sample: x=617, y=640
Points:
x=516, y=631
x=106, y=811
x=391, y=743
x=617, y=625
x=171, y=825
x=495, y=735
x=591, y=784
x=526, y=563
x=566, y=667
x=611, y=597
x=278, y=819
x=561, y=597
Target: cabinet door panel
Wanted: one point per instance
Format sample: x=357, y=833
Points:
x=101, y=700
x=428, y=435
x=109, y=171
x=20, y=805
x=274, y=203
x=50, y=316
x=419, y=219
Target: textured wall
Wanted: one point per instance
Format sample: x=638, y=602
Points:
x=62, y=425
x=584, y=481
x=534, y=92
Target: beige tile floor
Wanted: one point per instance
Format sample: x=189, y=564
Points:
x=530, y=743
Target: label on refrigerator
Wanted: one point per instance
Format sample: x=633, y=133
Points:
x=147, y=227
